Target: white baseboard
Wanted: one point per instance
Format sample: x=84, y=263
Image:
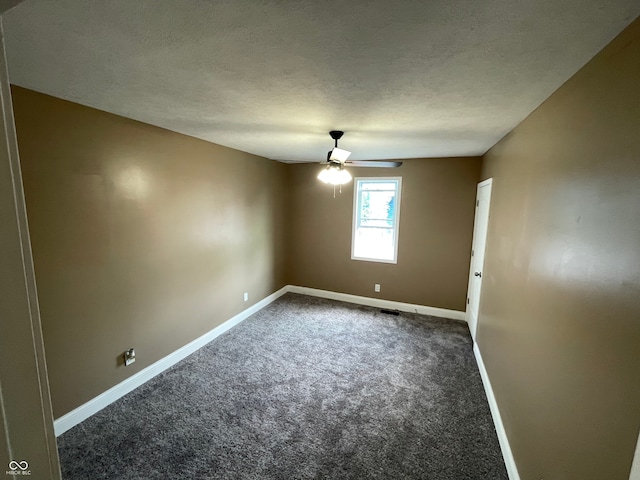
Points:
x=507, y=455
x=379, y=303
x=74, y=417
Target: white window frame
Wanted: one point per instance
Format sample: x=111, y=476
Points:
x=396, y=226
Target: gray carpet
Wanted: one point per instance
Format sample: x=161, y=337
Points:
x=306, y=388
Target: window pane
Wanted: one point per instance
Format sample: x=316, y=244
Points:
x=378, y=205
x=375, y=219
x=374, y=243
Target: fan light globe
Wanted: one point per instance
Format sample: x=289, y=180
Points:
x=324, y=175
x=334, y=175
x=343, y=176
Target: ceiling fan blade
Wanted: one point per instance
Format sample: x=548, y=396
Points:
x=373, y=163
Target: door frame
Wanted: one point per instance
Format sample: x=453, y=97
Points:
x=474, y=328
x=28, y=442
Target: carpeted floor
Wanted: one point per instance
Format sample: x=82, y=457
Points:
x=306, y=388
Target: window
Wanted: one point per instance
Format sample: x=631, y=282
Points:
x=376, y=212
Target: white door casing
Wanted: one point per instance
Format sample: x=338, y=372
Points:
x=480, y=227
x=635, y=465
x=27, y=439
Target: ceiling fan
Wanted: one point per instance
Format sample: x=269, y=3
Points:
x=335, y=174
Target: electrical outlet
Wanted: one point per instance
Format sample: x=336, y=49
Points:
x=129, y=357
x=376, y=287
x=246, y=296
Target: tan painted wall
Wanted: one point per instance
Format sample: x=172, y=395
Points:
x=436, y=226
x=141, y=238
x=559, y=325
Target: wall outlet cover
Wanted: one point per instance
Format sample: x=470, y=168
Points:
x=129, y=357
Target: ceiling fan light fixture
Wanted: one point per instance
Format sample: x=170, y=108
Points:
x=334, y=175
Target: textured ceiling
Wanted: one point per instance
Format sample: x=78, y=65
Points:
x=403, y=79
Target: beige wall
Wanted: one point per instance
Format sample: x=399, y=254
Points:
x=559, y=325
x=141, y=238
x=436, y=226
